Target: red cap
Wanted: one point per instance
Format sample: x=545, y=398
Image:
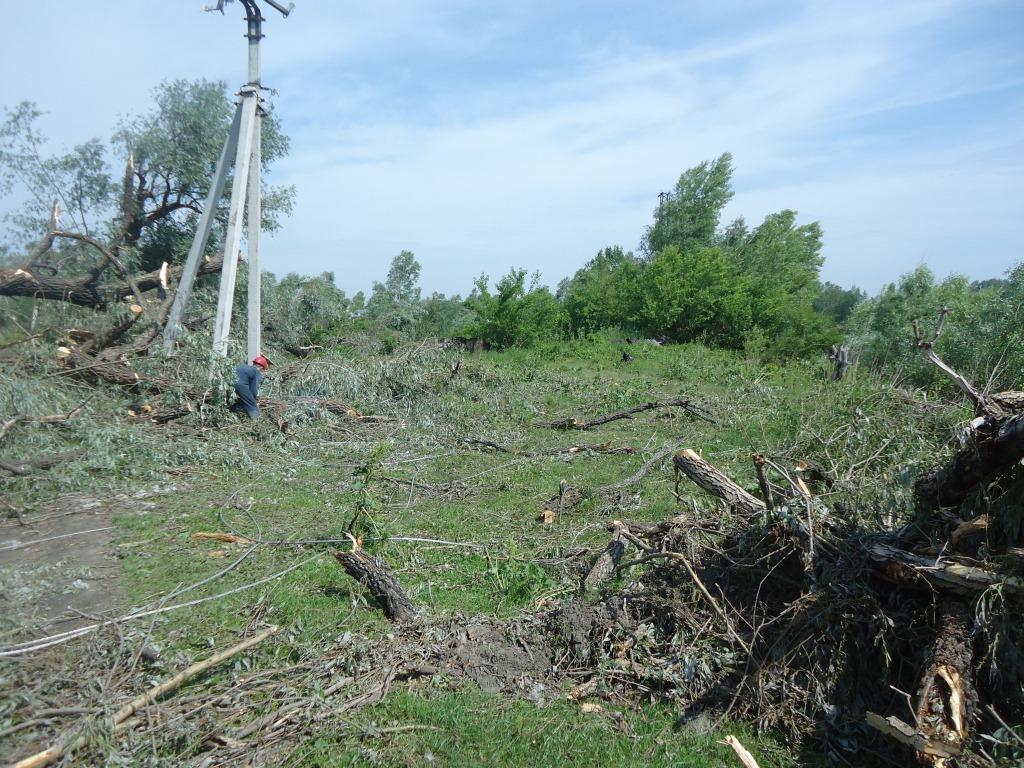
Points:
x=261, y=361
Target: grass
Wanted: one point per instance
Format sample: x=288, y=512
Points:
x=310, y=483
x=467, y=727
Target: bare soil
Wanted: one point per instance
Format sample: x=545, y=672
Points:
x=58, y=565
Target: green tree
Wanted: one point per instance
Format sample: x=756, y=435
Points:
x=299, y=310
x=694, y=295
x=982, y=336
x=147, y=212
x=514, y=315
x=444, y=317
x=604, y=293
x=778, y=264
x=837, y=302
x=395, y=303
x=688, y=216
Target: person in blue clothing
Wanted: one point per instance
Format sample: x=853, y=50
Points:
x=247, y=386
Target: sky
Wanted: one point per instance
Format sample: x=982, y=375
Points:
x=484, y=136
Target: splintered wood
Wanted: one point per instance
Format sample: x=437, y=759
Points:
x=374, y=574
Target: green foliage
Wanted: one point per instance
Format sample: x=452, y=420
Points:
x=514, y=315
x=837, y=302
x=395, y=303
x=146, y=199
x=689, y=296
x=301, y=310
x=444, y=317
x=688, y=216
x=982, y=338
x=604, y=293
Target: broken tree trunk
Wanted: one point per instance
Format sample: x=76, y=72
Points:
x=840, y=357
x=715, y=482
x=374, y=574
x=84, y=291
x=943, y=574
x=608, y=561
x=996, y=445
x=947, y=699
x=574, y=423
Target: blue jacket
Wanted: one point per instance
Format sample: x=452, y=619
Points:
x=249, y=377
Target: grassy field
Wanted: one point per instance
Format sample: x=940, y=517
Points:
x=457, y=521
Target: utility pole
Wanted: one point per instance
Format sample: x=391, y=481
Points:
x=244, y=144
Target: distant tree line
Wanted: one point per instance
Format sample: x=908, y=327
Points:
x=693, y=279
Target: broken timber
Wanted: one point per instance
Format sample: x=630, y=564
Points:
x=374, y=574
x=574, y=423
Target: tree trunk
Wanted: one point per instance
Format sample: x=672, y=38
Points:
x=374, y=574
x=996, y=445
x=712, y=480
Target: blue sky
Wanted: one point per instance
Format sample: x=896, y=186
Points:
x=484, y=136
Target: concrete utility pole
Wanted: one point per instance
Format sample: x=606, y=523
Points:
x=244, y=144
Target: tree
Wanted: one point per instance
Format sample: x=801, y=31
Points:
x=982, y=337
x=837, y=302
x=515, y=315
x=395, y=303
x=778, y=264
x=93, y=247
x=604, y=293
x=688, y=217
x=693, y=296
x=299, y=311
x=444, y=317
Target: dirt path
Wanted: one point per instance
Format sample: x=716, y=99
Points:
x=58, y=566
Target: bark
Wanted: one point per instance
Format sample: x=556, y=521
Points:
x=85, y=290
x=374, y=574
x=574, y=423
x=997, y=445
x=840, y=357
x=942, y=574
x=607, y=562
x=22, y=467
x=712, y=480
x=947, y=700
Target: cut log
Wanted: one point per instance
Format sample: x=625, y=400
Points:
x=374, y=574
x=715, y=482
x=166, y=415
x=574, y=423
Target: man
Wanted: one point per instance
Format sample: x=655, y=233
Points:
x=248, y=386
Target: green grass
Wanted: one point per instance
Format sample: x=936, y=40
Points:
x=310, y=483
x=470, y=728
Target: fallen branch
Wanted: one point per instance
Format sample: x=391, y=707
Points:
x=574, y=423
x=69, y=744
x=28, y=466
x=84, y=291
x=715, y=482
